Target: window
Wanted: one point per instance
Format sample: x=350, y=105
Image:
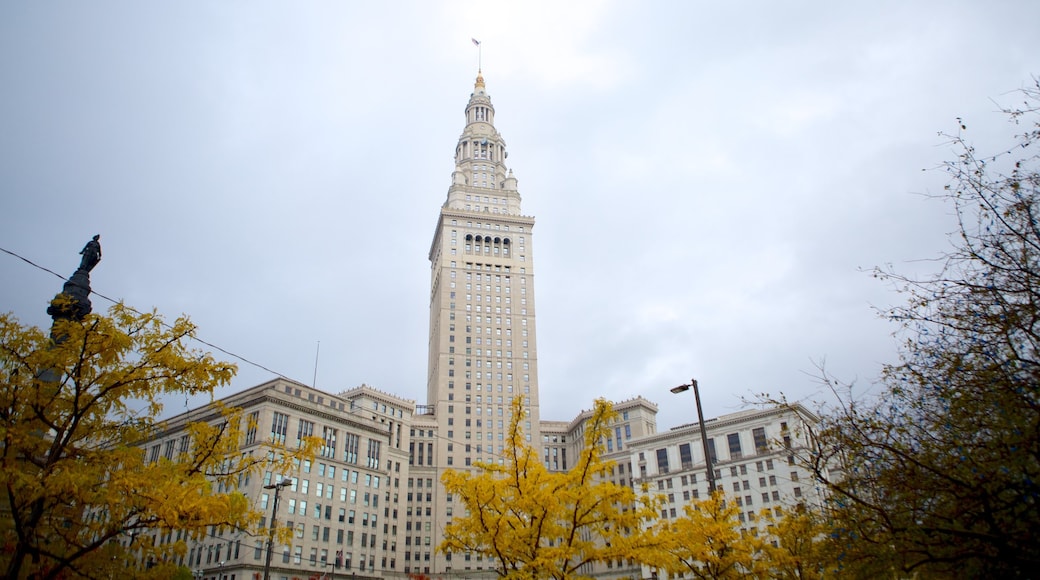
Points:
x=734, y=445
x=328, y=447
x=306, y=430
x=685, y=455
x=279, y=427
x=761, y=445
x=350, y=452
x=254, y=418
x=662, y=460
x=373, y=453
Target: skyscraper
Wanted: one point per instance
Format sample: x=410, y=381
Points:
x=370, y=504
x=483, y=346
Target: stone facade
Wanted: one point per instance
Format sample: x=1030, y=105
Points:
x=372, y=501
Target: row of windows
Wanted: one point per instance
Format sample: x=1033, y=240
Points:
x=488, y=226
x=479, y=149
x=486, y=268
x=346, y=476
x=343, y=559
x=733, y=443
x=487, y=250
x=489, y=387
x=487, y=199
x=352, y=441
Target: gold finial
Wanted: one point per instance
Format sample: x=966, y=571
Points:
x=480, y=80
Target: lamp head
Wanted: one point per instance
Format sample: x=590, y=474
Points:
x=680, y=389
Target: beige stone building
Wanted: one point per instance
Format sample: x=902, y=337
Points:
x=371, y=504
x=483, y=344
x=343, y=504
x=754, y=457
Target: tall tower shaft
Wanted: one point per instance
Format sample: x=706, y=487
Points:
x=482, y=345
x=482, y=310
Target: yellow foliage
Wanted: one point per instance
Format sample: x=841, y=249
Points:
x=75, y=415
x=534, y=523
x=802, y=549
x=708, y=543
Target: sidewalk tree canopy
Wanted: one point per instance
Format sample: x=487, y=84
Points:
x=941, y=473
x=75, y=417
x=534, y=523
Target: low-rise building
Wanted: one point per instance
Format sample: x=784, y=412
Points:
x=344, y=505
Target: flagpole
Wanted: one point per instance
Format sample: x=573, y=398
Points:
x=479, y=55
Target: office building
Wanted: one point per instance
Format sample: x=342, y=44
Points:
x=371, y=504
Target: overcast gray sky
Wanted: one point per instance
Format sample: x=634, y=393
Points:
x=712, y=182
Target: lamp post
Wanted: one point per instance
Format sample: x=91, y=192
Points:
x=277, y=487
x=704, y=432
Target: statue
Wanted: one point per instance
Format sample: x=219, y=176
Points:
x=73, y=302
x=91, y=254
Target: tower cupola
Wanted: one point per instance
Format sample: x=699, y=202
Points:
x=481, y=181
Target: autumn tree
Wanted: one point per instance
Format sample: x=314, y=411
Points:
x=79, y=495
x=708, y=543
x=799, y=544
x=941, y=473
x=535, y=523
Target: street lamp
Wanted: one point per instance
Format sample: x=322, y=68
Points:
x=704, y=432
x=277, y=487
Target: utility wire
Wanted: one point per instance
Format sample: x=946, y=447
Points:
x=491, y=453
x=114, y=301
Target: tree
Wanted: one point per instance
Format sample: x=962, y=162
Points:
x=79, y=496
x=942, y=470
x=534, y=523
x=708, y=543
x=800, y=545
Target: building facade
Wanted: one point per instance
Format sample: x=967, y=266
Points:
x=753, y=454
x=344, y=505
x=483, y=344
x=371, y=504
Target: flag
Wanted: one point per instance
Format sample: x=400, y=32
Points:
x=475, y=42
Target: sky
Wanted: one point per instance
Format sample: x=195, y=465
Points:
x=713, y=182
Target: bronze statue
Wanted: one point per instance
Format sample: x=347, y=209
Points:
x=73, y=302
x=91, y=254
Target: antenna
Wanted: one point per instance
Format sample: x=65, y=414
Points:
x=314, y=381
